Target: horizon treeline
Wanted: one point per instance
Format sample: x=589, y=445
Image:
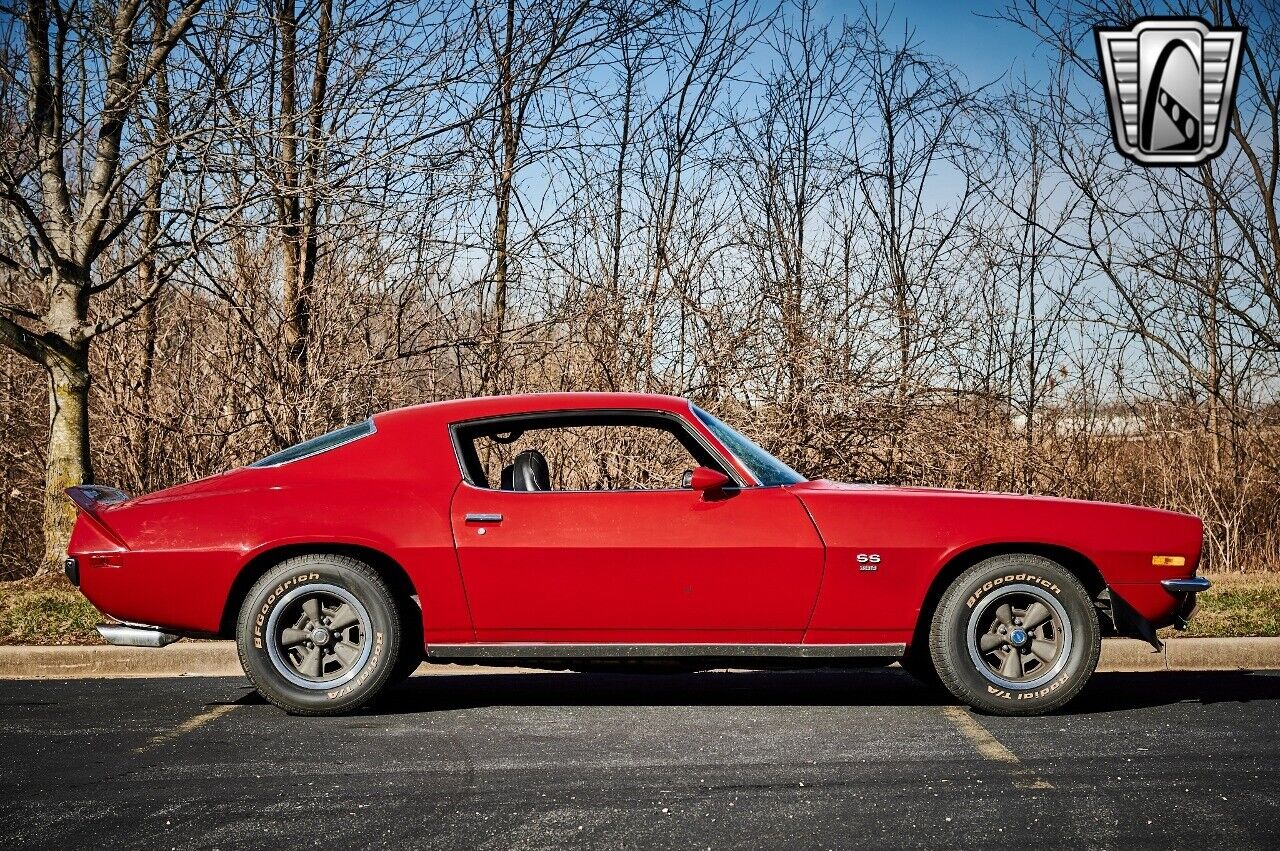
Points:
x=226, y=227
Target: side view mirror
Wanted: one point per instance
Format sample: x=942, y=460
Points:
x=705, y=479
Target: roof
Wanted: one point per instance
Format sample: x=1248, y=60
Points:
x=456, y=410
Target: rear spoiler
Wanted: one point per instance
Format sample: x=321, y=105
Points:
x=90, y=498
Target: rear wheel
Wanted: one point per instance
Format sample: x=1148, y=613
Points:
x=1015, y=635
x=319, y=634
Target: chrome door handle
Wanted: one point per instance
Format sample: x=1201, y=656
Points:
x=484, y=518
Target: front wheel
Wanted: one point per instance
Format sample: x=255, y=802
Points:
x=319, y=634
x=1015, y=635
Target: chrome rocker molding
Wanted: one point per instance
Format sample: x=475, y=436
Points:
x=526, y=650
x=128, y=635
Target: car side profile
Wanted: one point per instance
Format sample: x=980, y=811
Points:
x=587, y=529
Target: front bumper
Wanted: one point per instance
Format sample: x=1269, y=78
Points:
x=1128, y=621
x=1185, y=590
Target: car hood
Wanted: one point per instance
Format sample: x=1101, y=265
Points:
x=825, y=486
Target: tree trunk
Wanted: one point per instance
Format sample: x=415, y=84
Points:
x=68, y=460
x=510, y=141
x=81, y=213
x=1212, y=334
x=288, y=205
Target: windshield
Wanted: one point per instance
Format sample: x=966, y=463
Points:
x=766, y=469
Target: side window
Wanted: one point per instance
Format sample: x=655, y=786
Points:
x=579, y=456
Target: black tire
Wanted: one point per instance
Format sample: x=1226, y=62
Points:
x=988, y=653
x=283, y=650
x=411, y=653
x=919, y=663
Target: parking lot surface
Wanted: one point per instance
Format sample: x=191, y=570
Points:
x=812, y=759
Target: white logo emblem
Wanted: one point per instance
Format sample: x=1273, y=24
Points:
x=1170, y=86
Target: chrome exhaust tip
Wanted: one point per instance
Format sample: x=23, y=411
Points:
x=127, y=635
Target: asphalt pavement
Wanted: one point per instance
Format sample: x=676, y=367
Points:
x=815, y=759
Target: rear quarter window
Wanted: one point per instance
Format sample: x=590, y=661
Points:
x=316, y=445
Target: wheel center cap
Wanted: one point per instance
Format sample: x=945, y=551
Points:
x=1018, y=637
x=320, y=636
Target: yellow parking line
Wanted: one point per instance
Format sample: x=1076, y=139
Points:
x=991, y=748
x=186, y=726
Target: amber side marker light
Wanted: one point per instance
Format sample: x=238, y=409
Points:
x=1169, y=561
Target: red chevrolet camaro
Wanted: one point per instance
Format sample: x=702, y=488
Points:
x=588, y=530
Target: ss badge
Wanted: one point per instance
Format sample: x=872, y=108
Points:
x=868, y=561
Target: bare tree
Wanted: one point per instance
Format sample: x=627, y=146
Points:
x=1032, y=291
x=1188, y=258
x=536, y=51
x=911, y=129
x=705, y=56
x=796, y=170
x=297, y=202
x=69, y=191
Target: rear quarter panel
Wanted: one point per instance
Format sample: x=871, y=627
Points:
x=388, y=492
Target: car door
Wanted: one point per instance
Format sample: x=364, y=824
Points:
x=637, y=565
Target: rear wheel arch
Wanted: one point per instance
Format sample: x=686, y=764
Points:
x=397, y=579
x=1073, y=561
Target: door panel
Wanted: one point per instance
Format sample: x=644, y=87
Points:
x=637, y=566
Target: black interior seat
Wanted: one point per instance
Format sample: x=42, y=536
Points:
x=527, y=473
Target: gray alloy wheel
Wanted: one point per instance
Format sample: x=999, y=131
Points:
x=1019, y=637
x=1015, y=635
x=319, y=634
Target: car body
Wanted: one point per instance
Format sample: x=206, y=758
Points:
x=745, y=559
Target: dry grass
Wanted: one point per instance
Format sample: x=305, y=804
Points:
x=49, y=611
x=1238, y=604
x=46, y=611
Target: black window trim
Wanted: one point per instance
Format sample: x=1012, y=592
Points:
x=461, y=445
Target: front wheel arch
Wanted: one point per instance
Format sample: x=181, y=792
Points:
x=1072, y=560
x=397, y=579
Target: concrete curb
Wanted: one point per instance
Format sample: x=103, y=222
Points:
x=1215, y=654
x=219, y=659
x=184, y=659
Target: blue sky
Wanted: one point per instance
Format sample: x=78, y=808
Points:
x=984, y=49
